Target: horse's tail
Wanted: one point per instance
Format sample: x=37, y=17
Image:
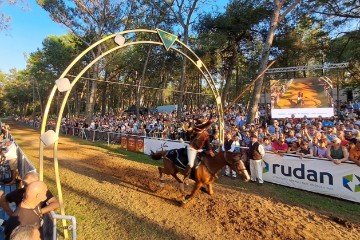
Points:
x=157, y=155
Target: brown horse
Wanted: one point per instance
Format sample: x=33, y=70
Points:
x=205, y=172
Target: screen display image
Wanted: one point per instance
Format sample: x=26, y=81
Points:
x=302, y=96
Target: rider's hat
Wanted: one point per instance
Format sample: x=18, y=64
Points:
x=202, y=124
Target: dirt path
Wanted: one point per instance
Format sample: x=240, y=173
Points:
x=126, y=203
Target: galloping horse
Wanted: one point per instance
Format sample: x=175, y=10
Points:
x=204, y=173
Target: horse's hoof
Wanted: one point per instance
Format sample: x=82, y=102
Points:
x=187, y=197
x=162, y=185
x=183, y=203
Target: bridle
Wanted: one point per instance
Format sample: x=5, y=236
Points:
x=234, y=164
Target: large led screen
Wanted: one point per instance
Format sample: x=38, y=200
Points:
x=302, y=96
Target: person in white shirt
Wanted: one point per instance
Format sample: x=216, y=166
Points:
x=256, y=153
x=10, y=155
x=267, y=144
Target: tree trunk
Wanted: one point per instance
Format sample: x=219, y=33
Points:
x=263, y=63
x=276, y=18
x=232, y=62
x=141, y=82
x=92, y=97
x=182, y=78
x=104, y=98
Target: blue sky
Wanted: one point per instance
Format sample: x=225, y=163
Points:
x=28, y=30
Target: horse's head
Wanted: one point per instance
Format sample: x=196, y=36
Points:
x=235, y=163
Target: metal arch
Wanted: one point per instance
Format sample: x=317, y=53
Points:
x=208, y=78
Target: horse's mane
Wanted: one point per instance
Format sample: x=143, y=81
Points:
x=157, y=155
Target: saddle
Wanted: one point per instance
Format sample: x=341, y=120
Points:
x=180, y=159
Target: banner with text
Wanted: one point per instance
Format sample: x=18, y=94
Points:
x=159, y=145
x=315, y=175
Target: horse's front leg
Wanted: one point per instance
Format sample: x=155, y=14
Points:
x=210, y=189
x=196, y=188
x=182, y=189
x=161, y=179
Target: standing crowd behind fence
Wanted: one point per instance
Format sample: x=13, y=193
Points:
x=111, y=127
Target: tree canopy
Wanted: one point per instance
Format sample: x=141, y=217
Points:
x=233, y=43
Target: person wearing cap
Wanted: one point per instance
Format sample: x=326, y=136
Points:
x=10, y=155
x=337, y=153
x=198, y=139
x=354, y=154
x=272, y=128
x=256, y=152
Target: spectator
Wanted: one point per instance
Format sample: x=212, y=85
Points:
x=267, y=143
x=228, y=146
x=236, y=144
x=28, y=212
x=349, y=136
x=280, y=146
x=16, y=196
x=256, y=153
x=354, y=154
x=328, y=123
x=10, y=154
x=291, y=138
x=272, y=128
x=320, y=151
x=25, y=232
x=293, y=148
x=337, y=153
x=305, y=150
x=215, y=142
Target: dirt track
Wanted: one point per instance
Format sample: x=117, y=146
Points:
x=126, y=202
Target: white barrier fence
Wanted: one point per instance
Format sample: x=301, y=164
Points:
x=160, y=144
x=314, y=175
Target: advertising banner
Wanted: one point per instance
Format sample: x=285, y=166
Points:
x=131, y=143
x=159, y=145
x=140, y=145
x=123, y=142
x=315, y=175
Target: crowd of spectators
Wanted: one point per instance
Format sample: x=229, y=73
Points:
x=306, y=137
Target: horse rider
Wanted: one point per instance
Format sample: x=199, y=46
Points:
x=198, y=139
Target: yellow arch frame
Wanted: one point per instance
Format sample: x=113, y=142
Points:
x=194, y=59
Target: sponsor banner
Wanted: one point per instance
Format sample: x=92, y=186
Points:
x=131, y=143
x=123, y=142
x=315, y=175
x=140, y=145
x=158, y=145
